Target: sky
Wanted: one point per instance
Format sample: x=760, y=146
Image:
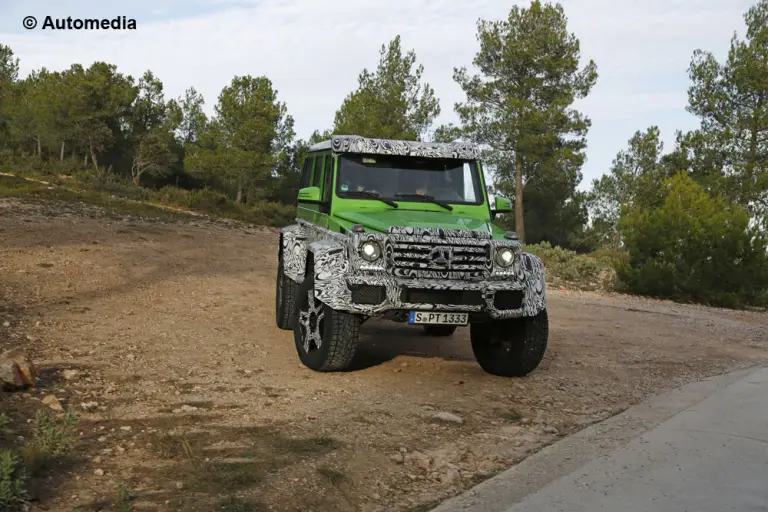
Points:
x=314, y=50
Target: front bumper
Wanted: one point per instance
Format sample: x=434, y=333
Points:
x=498, y=299
x=406, y=279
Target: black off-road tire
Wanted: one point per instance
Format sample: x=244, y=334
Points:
x=510, y=348
x=286, y=291
x=338, y=330
x=439, y=330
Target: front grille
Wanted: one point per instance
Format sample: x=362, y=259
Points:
x=367, y=294
x=442, y=297
x=441, y=258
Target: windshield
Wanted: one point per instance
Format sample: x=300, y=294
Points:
x=407, y=178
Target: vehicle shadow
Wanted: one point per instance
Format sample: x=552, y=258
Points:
x=382, y=341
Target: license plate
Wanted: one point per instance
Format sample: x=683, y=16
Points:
x=434, y=317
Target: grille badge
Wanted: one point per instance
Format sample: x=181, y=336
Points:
x=442, y=256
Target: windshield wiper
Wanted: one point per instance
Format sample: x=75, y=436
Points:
x=372, y=195
x=424, y=198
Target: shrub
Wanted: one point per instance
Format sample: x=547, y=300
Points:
x=694, y=247
x=125, y=190
x=571, y=269
x=4, y=422
x=271, y=214
x=207, y=200
x=53, y=437
x=171, y=195
x=13, y=481
x=614, y=258
x=204, y=200
x=216, y=203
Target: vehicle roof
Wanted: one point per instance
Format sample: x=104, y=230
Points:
x=371, y=146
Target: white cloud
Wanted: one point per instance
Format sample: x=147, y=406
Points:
x=313, y=51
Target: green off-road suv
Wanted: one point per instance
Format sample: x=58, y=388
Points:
x=403, y=230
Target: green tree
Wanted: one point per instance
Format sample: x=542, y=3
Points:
x=392, y=102
x=245, y=140
x=27, y=114
x=731, y=99
x=153, y=156
x=447, y=133
x=154, y=123
x=9, y=73
x=100, y=106
x=636, y=172
x=318, y=136
x=9, y=65
x=694, y=247
x=149, y=110
x=520, y=103
x=192, y=117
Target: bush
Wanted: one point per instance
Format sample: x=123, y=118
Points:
x=13, y=481
x=216, y=203
x=53, y=437
x=171, y=195
x=125, y=190
x=574, y=270
x=694, y=248
x=617, y=259
x=207, y=200
x=271, y=214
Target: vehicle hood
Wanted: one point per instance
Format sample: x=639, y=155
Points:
x=382, y=220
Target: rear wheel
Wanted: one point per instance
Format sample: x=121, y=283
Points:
x=286, y=290
x=439, y=330
x=510, y=348
x=325, y=338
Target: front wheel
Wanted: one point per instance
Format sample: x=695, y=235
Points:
x=285, y=297
x=325, y=338
x=510, y=348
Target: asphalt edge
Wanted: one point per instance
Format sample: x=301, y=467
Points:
x=563, y=457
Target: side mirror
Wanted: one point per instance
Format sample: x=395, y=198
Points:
x=309, y=194
x=501, y=205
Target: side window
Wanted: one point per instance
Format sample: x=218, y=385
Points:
x=306, y=173
x=317, y=180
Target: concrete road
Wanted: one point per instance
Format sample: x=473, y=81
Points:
x=702, y=448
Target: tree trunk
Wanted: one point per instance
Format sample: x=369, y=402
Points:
x=136, y=172
x=61, y=156
x=519, y=221
x=39, y=149
x=94, y=159
x=239, y=198
x=85, y=160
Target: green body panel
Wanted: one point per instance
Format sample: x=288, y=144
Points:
x=404, y=216
x=310, y=194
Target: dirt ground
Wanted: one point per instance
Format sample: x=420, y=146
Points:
x=189, y=395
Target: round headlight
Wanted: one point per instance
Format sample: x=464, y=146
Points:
x=505, y=257
x=370, y=251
